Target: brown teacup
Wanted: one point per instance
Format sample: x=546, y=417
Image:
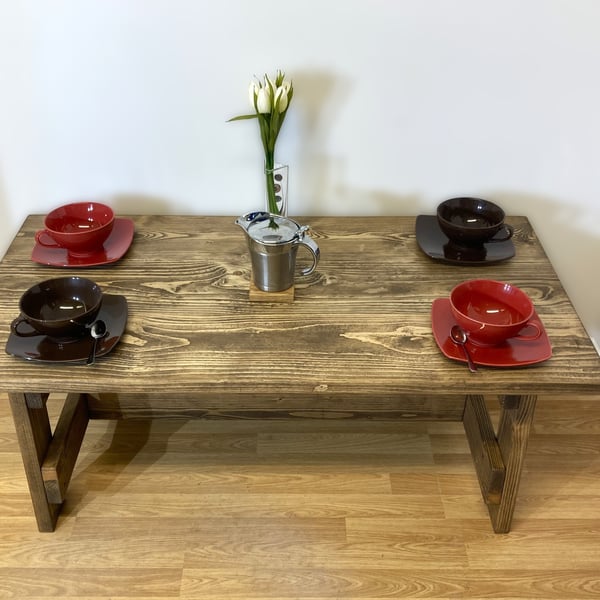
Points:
x=473, y=221
x=61, y=307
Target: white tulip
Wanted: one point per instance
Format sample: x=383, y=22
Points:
x=269, y=83
x=252, y=93
x=263, y=100
x=281, y=99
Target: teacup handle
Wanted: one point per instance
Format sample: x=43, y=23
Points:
x=313, y=249
x=14, y=327
x=532, y=336
x=503, y=234
x=43, y=238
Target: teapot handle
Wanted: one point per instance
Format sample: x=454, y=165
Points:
x=313, y=248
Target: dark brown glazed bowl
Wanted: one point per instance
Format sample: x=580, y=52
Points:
x=60, y=307
x=472, y=221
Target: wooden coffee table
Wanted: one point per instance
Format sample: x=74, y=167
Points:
x=356, y=342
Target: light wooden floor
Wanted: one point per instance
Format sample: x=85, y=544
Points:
x=257, y=510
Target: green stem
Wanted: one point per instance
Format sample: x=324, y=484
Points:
x=269, y=166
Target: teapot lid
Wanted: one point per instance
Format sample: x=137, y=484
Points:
x=272, y=229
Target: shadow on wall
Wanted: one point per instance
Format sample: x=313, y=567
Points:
x=6, y=218
x=139, y=204
x=381, y=202
x=316, y=110
x=570, y=236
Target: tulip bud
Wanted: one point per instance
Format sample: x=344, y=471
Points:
x=281, y=99
x=252, y=93
x=263, y=100
x=269, y=83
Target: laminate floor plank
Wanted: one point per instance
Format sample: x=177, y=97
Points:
x=158, y=505
x=306, y=510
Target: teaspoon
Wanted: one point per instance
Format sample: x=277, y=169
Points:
x=460, y=337
x=97, y=331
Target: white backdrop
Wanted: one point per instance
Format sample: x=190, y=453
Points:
x=398, y=105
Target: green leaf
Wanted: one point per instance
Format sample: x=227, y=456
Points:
x=243, y=117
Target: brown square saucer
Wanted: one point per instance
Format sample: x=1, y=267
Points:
x=435, y=244
x=43, y=348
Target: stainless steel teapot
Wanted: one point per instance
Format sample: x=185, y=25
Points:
x=273, y=242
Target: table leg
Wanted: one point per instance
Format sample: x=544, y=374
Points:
x=49, y=459
x=516, y=418
x=485, y=450
x=499, y=458
x=34, y=434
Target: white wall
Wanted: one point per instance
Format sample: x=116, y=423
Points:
x=398, y=105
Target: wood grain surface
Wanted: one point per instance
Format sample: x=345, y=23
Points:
x=358, y=327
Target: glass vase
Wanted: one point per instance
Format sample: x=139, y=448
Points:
x=277, y=189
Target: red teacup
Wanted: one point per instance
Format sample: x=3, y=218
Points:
x=490, y=312
x=78, y=227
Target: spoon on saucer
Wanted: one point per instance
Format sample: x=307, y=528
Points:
x=459, y=337
x=97, y=331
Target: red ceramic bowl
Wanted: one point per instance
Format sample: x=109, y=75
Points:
x=78, y=227
x=60, y=307
x=490, y=311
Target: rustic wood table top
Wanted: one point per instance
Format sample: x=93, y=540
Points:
x=359, y=325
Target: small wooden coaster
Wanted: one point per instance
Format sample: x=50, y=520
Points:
x=285, y=296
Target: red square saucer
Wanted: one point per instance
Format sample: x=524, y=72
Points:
x=514, y=352
x=113, y=249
